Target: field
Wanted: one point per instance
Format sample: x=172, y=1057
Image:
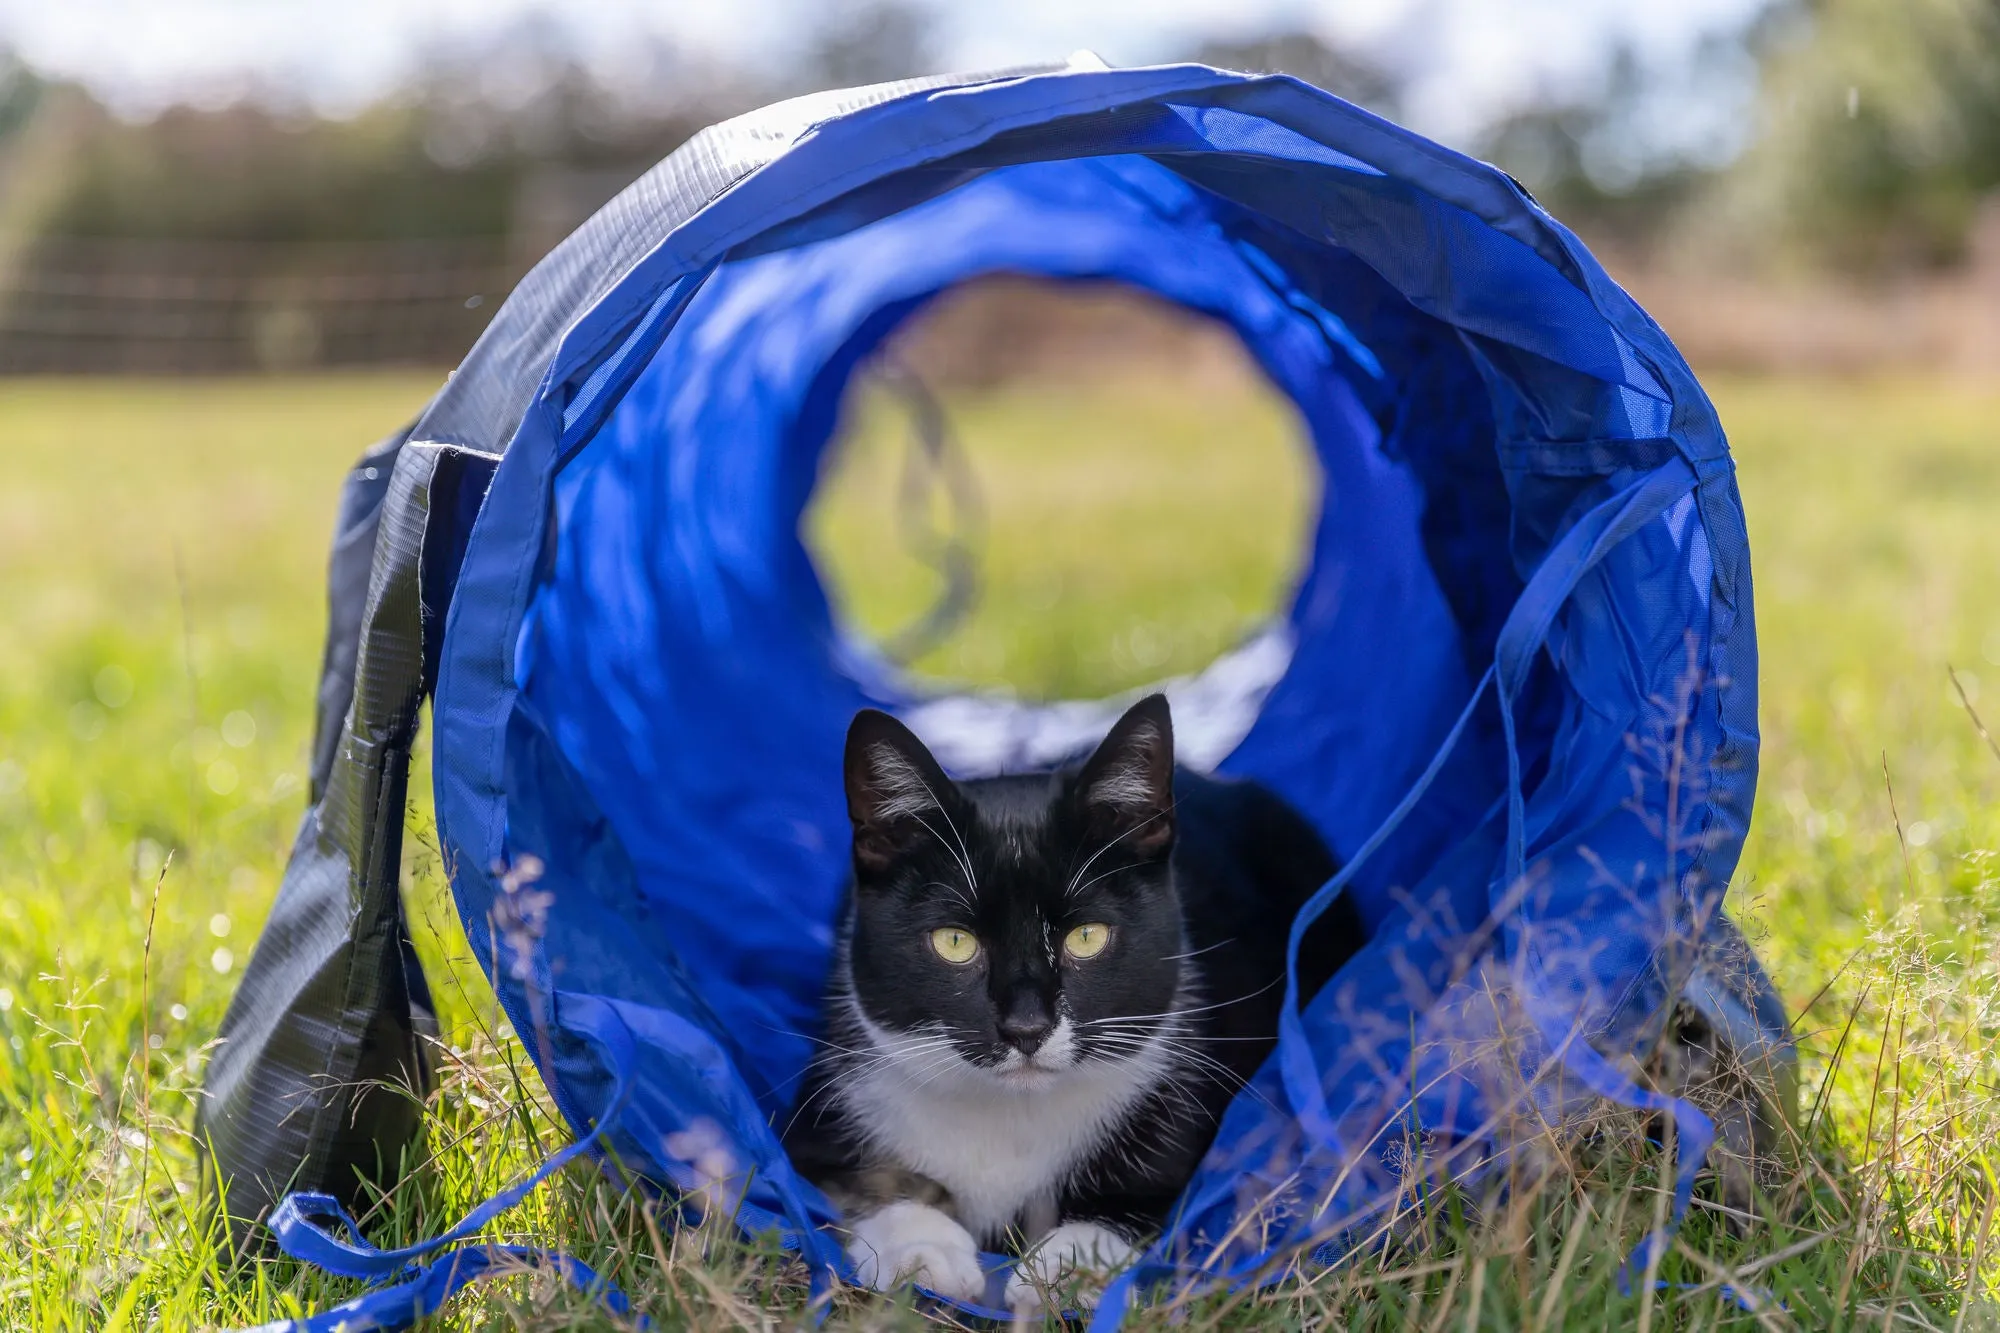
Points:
x=161, y=610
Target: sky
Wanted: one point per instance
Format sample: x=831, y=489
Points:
x=1476, y=58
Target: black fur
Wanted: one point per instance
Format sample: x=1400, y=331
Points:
x=1198, y=880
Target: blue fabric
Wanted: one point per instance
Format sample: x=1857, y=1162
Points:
x=691, y=495
x=643, y=684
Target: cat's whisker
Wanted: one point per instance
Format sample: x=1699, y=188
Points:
x=1203, y=1064
x=860, y=1061
x=917, y=1047
x=936, y=1070
x=1187, y=1094
x=964, y=855
x=833, y=1045
x=958, y=895
x=1196, y=1036
x=956, y=854
x=1157, y=1040
x=910, y=1052
x=1192, y=1009
x=1072, y=889
x=1194, y=953
x=824, y=1090
x=1206, y=1061
x=914, y=1051
x=1072, y=892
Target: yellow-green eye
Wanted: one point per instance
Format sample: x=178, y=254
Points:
x=1087, y=941
x=955, y=945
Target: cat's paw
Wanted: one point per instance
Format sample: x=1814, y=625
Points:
x=1076, y=1256
x=914, y=1242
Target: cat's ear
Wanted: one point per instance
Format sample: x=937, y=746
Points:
x=894, y=786
x=1125, y=791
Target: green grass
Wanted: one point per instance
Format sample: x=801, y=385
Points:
x=1121, y=544
x=161, y=606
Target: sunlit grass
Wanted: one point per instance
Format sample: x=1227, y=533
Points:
x=162, y=549
x=1129, y=533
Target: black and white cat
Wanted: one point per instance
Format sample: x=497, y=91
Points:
x=1048, y=989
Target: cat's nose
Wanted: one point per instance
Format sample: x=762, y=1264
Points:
x=1026, y=1024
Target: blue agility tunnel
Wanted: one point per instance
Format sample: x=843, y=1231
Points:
x=1515, y=689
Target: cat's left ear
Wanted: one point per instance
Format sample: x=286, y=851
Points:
x=1125, y=791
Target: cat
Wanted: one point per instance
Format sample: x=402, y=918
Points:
x=1048, y=988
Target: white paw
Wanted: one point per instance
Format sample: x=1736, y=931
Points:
x=914, y=1242
x=1081, y=1253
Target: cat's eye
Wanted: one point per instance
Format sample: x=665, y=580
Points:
x=1087, y=941
x=955, y=945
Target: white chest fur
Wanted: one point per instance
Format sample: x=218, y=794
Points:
x=1002, y=1149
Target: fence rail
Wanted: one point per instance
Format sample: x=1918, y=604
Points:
x=73, y=305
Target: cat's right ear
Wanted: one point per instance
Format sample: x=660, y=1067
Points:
x=1126, y=788
x=894, y=789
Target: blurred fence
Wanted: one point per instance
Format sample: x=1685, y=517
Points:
x=70, y=306
x=105, y=306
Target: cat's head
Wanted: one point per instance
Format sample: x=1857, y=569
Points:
x=1025, y=927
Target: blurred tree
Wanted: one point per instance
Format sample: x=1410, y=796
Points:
x=1359, y=78
x=245, y=173
x=447, y=157
x=20, y=93
x=41, y=125
x=1623, y=155
x=528, y=93
x=1879, y=123
x=870, y=41
x=1618, y=153
x=1881, y=130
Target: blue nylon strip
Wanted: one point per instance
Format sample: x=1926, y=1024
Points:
x=1694, y=1132
x=1115, y=1301
x=1302, y=1081
x=1527, y=625
x=1579, y=550
x=1587, y=542
x=300, y=1221
x=435, y=1283
x=1747, y=1299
